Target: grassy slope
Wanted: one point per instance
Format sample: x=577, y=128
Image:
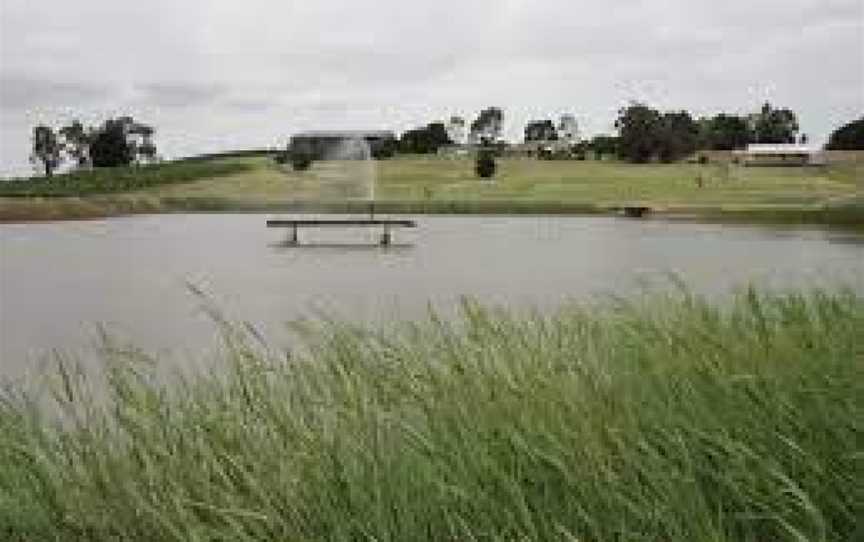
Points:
x=421, y=184
x=603, y=183
x=676, y=420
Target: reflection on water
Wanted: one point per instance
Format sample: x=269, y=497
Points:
x=58, y=280
x=341, y=247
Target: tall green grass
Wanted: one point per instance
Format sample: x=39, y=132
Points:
x=674, y=419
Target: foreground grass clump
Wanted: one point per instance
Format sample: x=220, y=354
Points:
x=120, y=179
x=676, y=419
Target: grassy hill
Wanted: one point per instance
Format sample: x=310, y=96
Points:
x=416, y=184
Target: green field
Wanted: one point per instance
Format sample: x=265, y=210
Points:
x=430, y=184
x=669, y=418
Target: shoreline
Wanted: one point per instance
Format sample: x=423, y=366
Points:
x=848, y=216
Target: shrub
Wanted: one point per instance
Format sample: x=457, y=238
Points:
x=485, y=166
x=301, y=161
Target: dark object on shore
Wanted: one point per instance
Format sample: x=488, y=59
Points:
x=301, y=161
x=485, y=166
x=636, y=211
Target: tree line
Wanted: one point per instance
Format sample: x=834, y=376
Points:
x=116, y=142
x=485, y=130
x=645, y=134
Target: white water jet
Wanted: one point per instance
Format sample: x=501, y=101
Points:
x=347, y=171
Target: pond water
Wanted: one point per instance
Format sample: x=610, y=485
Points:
x=59, y=281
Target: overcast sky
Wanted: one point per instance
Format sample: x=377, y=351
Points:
x=224, y=74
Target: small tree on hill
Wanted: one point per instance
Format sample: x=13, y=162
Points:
x=639, y=129
x=145, y=150
x=540, y=130
x=772, y=125
x=109, y=146
x=724, y=132
x=425, y=140
x=46, y=149
x=456, y=129
x=486, y=129
x=568, y=129
x=485, y=166
x=603, y=145
x=678, y=136
x=76, y=142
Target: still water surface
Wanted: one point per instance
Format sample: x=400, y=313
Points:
x=58, y=281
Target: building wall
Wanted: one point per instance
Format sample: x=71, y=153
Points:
x=327, y=147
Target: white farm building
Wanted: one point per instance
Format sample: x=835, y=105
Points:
x=780, y=154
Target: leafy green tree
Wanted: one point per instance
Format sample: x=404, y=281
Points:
x=76, y=142
x=849, y=137
x=579, y=150
x=677, y=137
x=568, y=128
x=645, y=134
x=116, y=142
x=425, y=140
x=46, y=149
x=145, y=149
x=639, y=129
x=385, y=148
x=724, y=133
x=772, y=125
x=487, y=128
x=110, y=147
x=456, y=129
x=541, y=130
x=603, y=145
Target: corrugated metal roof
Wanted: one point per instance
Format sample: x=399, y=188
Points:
x=346, y=134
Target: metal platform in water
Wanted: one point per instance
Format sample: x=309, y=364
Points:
x=282, y=223
x=386, y=236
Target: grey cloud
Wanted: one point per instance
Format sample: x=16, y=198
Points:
x=21, y=93
x=206, y=67
x=179, y=94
